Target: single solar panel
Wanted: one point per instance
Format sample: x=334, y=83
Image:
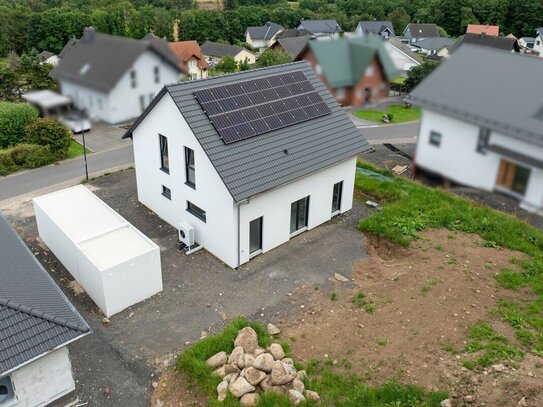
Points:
x=246, y=109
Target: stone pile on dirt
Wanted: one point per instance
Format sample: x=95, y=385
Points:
x=251, y=370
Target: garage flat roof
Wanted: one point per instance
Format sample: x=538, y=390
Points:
x=46, y=99
x=105, y=237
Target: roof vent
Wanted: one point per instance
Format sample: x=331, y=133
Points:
x=285, y=151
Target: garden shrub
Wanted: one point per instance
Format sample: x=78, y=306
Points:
x=32, y=155
x=49, y=133
x=7, y=165
x=14, y=118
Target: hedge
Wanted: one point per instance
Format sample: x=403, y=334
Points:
x=14, y=117
x=7, y=165
x=49, y=133
x=32, y=155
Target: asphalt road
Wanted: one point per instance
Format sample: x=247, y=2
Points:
x=66, y=173
x=392, y=133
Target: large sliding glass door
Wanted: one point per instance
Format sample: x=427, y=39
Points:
x=298, y=214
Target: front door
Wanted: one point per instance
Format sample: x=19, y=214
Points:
x=255, y=235
x=513, y=177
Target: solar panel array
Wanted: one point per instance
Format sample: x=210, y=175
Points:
x=245, y=109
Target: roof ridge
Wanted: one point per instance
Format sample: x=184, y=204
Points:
x=43, y=315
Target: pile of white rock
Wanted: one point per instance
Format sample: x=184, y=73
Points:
x=250, y=370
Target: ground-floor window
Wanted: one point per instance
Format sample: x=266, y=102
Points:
x=7, y=396
x=513, y=177
x=166, y=192
x=298, y=214
x=336, y=197
x=255, y=235
x=196, y=211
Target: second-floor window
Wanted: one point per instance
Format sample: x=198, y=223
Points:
x=157, y=74
x=164, y=159
x=133, y=81
x=189, y=167
x=482, y=141
x=192, y=64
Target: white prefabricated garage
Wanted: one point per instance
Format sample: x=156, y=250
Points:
x=114, y=262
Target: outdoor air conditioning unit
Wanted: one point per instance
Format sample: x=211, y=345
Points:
x=186, y=234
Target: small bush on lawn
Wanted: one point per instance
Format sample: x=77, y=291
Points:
x=7, y=165
x=14, y=117
x=49, y=133
x=32, y=155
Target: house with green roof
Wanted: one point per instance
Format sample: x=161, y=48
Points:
x=357, y=71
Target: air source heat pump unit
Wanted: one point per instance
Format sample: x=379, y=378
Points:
x=186, y=234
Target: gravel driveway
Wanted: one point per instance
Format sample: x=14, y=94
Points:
x=200, y=294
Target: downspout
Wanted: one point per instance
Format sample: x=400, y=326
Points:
x=244, y=202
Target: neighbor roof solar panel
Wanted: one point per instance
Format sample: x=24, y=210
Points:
x=246, y=109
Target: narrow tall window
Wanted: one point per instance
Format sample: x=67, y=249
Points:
x=157, y=74
x=482, y=141
x=164, y=159
x=298, y=214
x=133, y=82
x=336, y=197
x=255, y=235
x=189, y=168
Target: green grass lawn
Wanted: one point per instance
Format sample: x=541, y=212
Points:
x=409, y=207
x=334, y=388
x=75, y=150
x=400, y=114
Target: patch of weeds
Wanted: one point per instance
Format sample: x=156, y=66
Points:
x=370, y=308
x=293, y=339
x=514, y=260
x=303, y=335
x=493, y=348
x=451, y=261
x=449, y=347
x=381, y=342
x=439, y=248
x=345, y=364
x=359, y=300
x=527, y=321
x=333, y=296
x=428, y=286
x=451, y=237
x=489, y=265
x=492, y=244
x=511, y=279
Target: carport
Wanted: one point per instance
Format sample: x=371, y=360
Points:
x=114, y=262
x=48, y=103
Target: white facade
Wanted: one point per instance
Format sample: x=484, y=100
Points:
x=457, y=158
x=44, y=380
x=538, y=44
x=224, y=217
x=115, y=263
x=124, y=102
x=402, y=61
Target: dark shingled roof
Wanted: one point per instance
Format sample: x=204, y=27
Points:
x=46, y=54
x=293, y=46
x=422, y=30
x=107, y=57
x=35, y=316
x=375, y=27
x=258, y=164
x=293, y=32
x=264, y=32
x=433, y=43
x=218, y=50
x=505, y=43
x=475, y=85
x=320, y=26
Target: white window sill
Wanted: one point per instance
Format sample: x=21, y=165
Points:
x=302, y=230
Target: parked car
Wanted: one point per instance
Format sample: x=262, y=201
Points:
x=76, y=123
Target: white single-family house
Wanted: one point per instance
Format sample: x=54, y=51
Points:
x=49, y=58
x=262, y=37
x=482, y=128
x=418, y=32
x=244, y=162
x=538, y=42
x=401, y=54
x=213, y=52
x=384, y=29
x=431, y=46
x=114, y=78
x=37, y=322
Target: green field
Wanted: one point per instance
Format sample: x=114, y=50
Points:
x=400, y=114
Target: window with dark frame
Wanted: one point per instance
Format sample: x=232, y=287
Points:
x=196, y=211
x=189, y=168
x=157, y=74
x=133, y=82
x=482, y=141
x=299, y=211
x=7, y=395
x=164, y=159
x=166, y=192
x=255, y=235
x=435, y=138
x=336, y=197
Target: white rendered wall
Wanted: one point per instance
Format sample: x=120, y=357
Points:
x=122, y=103
x=44, y=380
x=401, y=60
x=219, y=233
x=274, y=205
x=457, y=157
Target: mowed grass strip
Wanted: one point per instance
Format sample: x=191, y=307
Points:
x=400, y=114
x=336, y=388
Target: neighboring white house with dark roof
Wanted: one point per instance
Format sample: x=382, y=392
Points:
x=263, y=36
x=115, y=78
x=538, y=42
x=430, y=46
x=482, y=129
x=384, y=29
x=36, y=323
x=419, y=32
x=321, y=28
x=213, y=52
x=246, y=160
x=49, y=57
x=401, y=54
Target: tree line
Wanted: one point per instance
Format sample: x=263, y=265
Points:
x=49, y=24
